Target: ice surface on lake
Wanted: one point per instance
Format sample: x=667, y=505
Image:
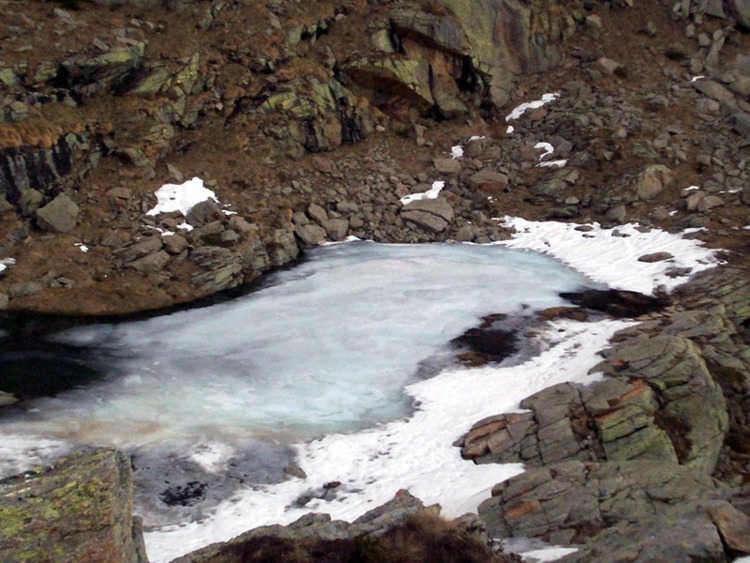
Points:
x=328, y=346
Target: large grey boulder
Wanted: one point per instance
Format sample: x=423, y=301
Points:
x=59, y=215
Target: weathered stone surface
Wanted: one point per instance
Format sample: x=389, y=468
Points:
x=144, y=247
x=586, y=498
x=504, y=44
x=693, y=410
x=488, y=180
x=442, y=32
x=310, y=234
x=79, y=509
x=59, y=215
x=152, y=263
x=433, y=215
x=222, y=269
x=733, y=525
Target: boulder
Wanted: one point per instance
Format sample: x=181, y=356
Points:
x=577, y=500
x=152, y=263
x=79, y=509
x=143, y=247
x=59, y=215
x=655, y=257
x=310, y=234
x=652, y=180
x=432, y=215
x=488, y=180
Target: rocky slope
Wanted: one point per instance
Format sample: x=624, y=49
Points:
x=253, y=98
x=310, y=120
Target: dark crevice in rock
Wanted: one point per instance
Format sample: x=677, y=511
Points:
x=677, y=430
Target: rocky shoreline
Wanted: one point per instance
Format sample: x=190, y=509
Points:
x=311, y=122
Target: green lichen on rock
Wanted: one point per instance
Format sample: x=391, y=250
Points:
x=78, y=509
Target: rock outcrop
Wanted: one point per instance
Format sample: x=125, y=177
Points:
x=79, y=509
x=632, y=463
x=381, y=534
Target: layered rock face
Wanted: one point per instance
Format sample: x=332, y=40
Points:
x=79, y=509
x=646, y=463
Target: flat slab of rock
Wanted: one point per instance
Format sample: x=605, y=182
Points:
x=79, y=509
x=432, y=215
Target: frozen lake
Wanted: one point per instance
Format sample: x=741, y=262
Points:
x=325, y=368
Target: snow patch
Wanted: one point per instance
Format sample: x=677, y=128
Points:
x=518, y=111
x=611, y=256
x=5, y=262
x=181, y=197
x=546, y=147
x=432, y=193
x=553, y=163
